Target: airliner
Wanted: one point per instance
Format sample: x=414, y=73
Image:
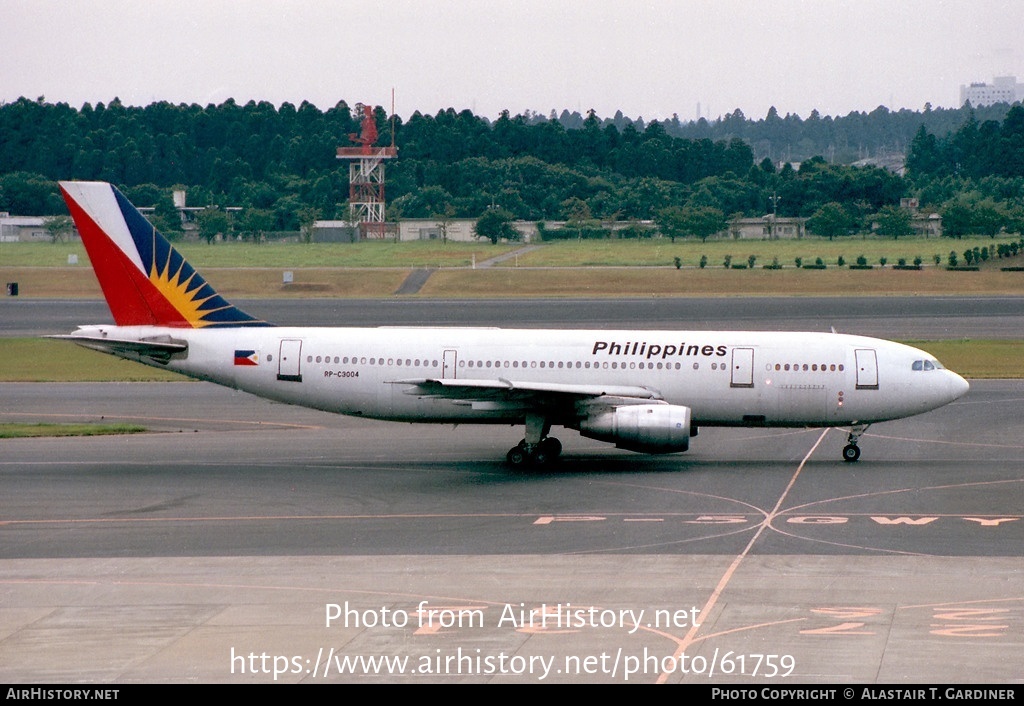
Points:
x=641, y=390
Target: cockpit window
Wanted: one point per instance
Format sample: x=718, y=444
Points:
x=926, y=365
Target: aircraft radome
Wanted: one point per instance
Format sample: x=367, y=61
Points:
x=646, y=391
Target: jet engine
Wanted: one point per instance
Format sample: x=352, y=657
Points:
x=646, y=428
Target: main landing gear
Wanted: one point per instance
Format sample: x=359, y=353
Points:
x=524, y=454
x=851, y=452
x=537, y=448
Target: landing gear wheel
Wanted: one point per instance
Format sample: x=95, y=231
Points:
x=522, y=456
x=517, y=457
x=851, y=452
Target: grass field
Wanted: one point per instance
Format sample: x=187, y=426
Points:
x=22, y=431
x=564, y=269
x=427, y=253
x=663, y=252
x=511, y=282
x=583, y=253
x=648, y=281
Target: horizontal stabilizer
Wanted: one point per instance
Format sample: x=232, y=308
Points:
x=159, y=349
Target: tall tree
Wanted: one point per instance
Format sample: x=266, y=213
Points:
x=699, y=221
x=830, y=220
x=495, y=224
x=893, y=221
x=211, y=222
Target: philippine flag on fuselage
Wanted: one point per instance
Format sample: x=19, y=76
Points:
x=246, y=358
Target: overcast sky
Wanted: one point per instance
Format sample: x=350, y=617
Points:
x=647, y=58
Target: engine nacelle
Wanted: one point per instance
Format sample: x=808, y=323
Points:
x=647, y=428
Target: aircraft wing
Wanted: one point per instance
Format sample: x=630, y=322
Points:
x=504, y=394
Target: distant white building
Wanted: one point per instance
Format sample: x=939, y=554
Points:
x=461, y=230
x=767, y=227
x=334, y=232
x=22, y=228
x=1003, y=89
x=454, y=229
x=928, y=225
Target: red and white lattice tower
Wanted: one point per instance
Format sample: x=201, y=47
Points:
x=366, y=175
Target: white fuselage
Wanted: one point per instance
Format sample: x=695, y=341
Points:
x=727, y=378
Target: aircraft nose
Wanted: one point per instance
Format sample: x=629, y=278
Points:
x=958, y=387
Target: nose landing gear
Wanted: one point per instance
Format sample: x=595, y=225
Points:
x=851, y=452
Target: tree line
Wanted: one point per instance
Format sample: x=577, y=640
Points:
x=278, y=165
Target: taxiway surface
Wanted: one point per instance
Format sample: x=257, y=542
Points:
x=245, y=541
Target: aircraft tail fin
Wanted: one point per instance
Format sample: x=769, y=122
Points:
x=144, y=279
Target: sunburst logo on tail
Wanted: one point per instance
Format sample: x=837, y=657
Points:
x=183, y=287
